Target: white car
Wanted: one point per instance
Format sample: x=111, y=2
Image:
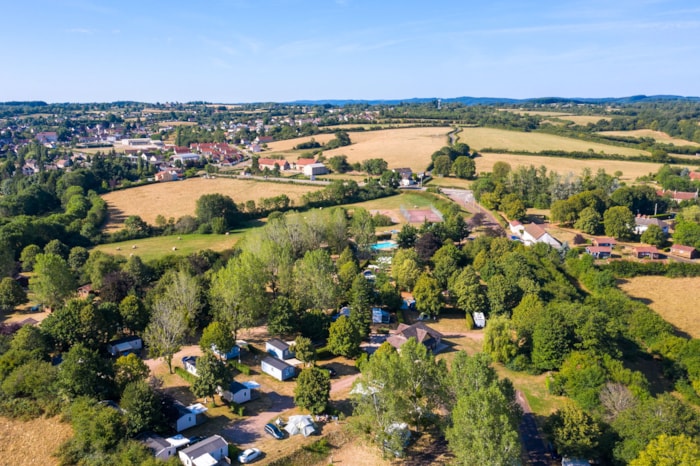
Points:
x=249, y=455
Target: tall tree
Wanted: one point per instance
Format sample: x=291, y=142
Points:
x=344, y=339
x=53, y=281
x=167, y=331
x=217, y=335
x=314, y=281
x=11, y=294
x=669, y=450
x=427, y=294
x=211, y=206
x=304, y=350
x=84, y=373
x=210, y=375
x=498, y=339
x=313, y=390
x=362, y=229
x=618, y=221
x=470, y=293
x=143, y=407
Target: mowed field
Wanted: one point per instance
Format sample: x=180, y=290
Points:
x=630, y=170
x=179, y=198
x=674, y=299
x=32, y=443
x=402, y=147
x=480, y=138
x=658, y=136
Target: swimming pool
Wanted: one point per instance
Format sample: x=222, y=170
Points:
x=384, y=245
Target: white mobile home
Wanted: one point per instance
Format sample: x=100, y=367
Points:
x=277, y=368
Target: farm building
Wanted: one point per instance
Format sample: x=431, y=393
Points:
x=301, y=163
x=190, y=364
x=380, y=316
x=314, y=169
x=124, y=346
x=183, y=417
x=235, y=393
x=604, y=241
x=278, y=349
x=642, y=223
x=270, y=164
x=599, y=252
x=421, y=332
x=277, y=368
x=209, y=452
x=160, y=447
x=648, y=252
x=233, y=353
x=688, y=252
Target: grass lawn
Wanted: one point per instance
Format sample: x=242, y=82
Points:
x=407, y=199
x=159, y=246
x=450, y=182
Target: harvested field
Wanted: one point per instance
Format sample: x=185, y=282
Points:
x=536, y=112
x=288, y=144
x=177, y=123
x=630, y=170
x=674, y=299
x=179, y=198
x=480, y=138
x=658, y=136
x=583, y=120
x=41, y=437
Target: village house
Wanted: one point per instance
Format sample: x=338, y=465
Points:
x=211, y=451
x=421, y=332
x=270, y=164
x=279, y=349
x=599, y=252
x=532, y=233
x=166, y=175
x=47, y=137
x=277, y=368
x=604, y=241
x=688, y=252
x=695, y=176
x=678, y=196
x=642, y=223
x=301, y=163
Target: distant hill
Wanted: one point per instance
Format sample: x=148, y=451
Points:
x=502, y=100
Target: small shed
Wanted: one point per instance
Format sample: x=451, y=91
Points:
x=160, y=447
x=183, y=417
x=604, y=241
x=688, y=252
x=380, y=316
x=190, y=364
x=208, y=452
x=278, y=349
x=599, y=252
x=277, y=368
x=124, y=346
x=649, y=252
x=235, y=393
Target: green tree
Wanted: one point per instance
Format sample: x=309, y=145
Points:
x=129, y=369
x=210, y=375
x=464, y=167
x=574, y=432
x=498, y=339
x=470, y=293
x=618, y=221
x=84, y=373
x=525, y=316
x=32, y=340
x=513, y=206
x=11, y=294
x=80, y=321
x=406, y=237
x=344, y=339
x=56, y=247
x=589, y=221
x=362, y=229
x=238, y=293
x=77, y=258
x=405, y=269
x=217, y=335
x=442, y=165
x=283, y=318
x=503, y=294
x=211, y=206
x=304, y=350
x=143, y=407
x=687, y=233
x=669, y=450
x=654, y=236
x=134, y=314
x=427, y=295
x=446, y=261
x=167, y=330
x=53, y=281
x=314, y=281
x=313, y=390
x=550, y=341
x=28, y=257
x=361, y=300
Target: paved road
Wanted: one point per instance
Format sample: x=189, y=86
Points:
x=465, y=198
x=530, y=437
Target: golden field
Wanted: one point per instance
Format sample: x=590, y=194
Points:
x=674, y=299
x=658, y=136
x=32, y=443
x=178, y=198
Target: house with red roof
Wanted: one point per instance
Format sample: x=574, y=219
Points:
x=688, y=252
x=647, y=252
x=270, y=164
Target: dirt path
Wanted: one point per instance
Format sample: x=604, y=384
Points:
x=530, y=437
x=465, y=198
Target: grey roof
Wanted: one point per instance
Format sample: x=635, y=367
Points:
x=207, y=445
x=277, y=343
x=154, y=442
x=235, y=387
x=650, y=221
x=276, y=363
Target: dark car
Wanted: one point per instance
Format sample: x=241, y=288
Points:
x=274, y=431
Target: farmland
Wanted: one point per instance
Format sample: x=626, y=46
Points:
x=674, y=299
x=480, y=138
x=179, y=198
x=658, y=136
x=41, y=437
x=404, y=147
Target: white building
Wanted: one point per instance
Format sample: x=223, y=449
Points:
x=208, y=452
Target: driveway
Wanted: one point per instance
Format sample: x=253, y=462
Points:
x=250, y=429
x=465, y=198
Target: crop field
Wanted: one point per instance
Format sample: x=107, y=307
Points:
x=479, y=138
x=583, y=120
x=630, y=170
x=674, y=299
x=401, y=147
x=178, y=198
x=658, y=136
x=159, y=246
x=31, y=443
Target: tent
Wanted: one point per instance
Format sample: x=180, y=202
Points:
x=300, y=425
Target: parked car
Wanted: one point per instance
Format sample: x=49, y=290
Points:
x=274, y=431
x=249, y=455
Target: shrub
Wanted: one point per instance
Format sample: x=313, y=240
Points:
x=189, y=378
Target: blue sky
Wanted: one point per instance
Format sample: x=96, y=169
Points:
x=282, y=50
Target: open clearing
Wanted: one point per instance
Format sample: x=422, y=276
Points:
x=584, y=119
x=32, y=442
x=630, y=170
x=674, y=299
x=480, y=138
x=178, y=198
x=402, y=147
x=658, y=136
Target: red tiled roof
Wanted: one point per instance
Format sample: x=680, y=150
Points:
x=604, y=240
x=649, y=249
x=682, y=248
x=304, y=162
x=535, y=230
x=694, y=175
x=598, y=249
